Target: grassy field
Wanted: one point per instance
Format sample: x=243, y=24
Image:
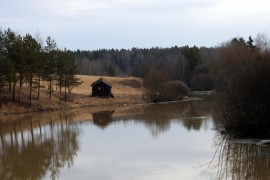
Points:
x=121, y=86
x=126, y=90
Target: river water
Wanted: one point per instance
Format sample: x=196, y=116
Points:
x=160, y=141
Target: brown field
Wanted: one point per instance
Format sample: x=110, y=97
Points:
x=121, y=86
x=126, y=90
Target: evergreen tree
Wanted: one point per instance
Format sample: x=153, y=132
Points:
x=193, y=58
x=41, y=71
x=49, y=69
x=250, y=42
x=32, y=52
x=20, y=62
x=71, y=80
x=12, y=55
x=2, y=67
x=66, y=72
x=60, y=72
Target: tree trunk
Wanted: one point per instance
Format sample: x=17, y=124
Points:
x=9, y=86
x=30, y=93
x=65, y=93
x=38, y=86
x=13, y=91
x=0, y=96
x=50, y=89
x=1, y=89
x=60, y=94
x=20, y=90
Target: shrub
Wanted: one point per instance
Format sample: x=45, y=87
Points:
x=173, y=90
x=243, y=83
x=153, y=83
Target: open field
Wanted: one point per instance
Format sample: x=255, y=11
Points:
x=121, y=86
x=127, y=90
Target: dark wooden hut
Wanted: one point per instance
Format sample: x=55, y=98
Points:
x=102, y=88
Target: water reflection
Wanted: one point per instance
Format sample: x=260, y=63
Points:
x=240, y=160
x=102, y=118
x=158, y=117
x=44, y=147
x=30, y=149
x=40, y=146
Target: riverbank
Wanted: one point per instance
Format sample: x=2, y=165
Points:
x=126, y=90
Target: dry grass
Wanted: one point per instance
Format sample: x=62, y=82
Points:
x=127, y=90
x=121, y=86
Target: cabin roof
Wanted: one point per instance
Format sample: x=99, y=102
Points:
x=101, y=80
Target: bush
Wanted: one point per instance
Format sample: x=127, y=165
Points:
x=246, y=103
x=243, y=82
x=173, y=90
x=153, y=83
x=159, y=88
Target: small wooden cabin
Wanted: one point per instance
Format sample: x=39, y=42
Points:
x=102, y=88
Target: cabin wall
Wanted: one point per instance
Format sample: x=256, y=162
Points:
x=101, y=90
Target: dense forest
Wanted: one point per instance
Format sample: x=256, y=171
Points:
x=187, y=64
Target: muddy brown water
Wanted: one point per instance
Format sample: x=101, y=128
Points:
x=159, y=141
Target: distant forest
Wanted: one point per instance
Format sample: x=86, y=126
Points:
x=187, y=64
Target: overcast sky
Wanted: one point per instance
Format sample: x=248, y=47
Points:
x=98, y=24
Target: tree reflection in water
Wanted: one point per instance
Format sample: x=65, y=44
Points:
x=38, y=147
x=241, y=161
x=31, y=149
x=158, y=117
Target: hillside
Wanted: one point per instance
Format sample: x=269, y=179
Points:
x=121, y=86
x=126, y=90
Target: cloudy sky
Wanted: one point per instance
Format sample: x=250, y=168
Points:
x=97, y=24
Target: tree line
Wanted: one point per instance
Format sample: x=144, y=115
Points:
x=187, y=64
x=238, y=70
x=24, y=62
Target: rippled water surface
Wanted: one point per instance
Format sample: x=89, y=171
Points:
x=161, y=141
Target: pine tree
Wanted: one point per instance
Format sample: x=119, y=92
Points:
x=12, y=54
x=2, y=67
x=250, y=42
x=49, y=68
x=32, y=52
x=66, y=72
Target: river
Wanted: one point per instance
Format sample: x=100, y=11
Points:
x=159, y=141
